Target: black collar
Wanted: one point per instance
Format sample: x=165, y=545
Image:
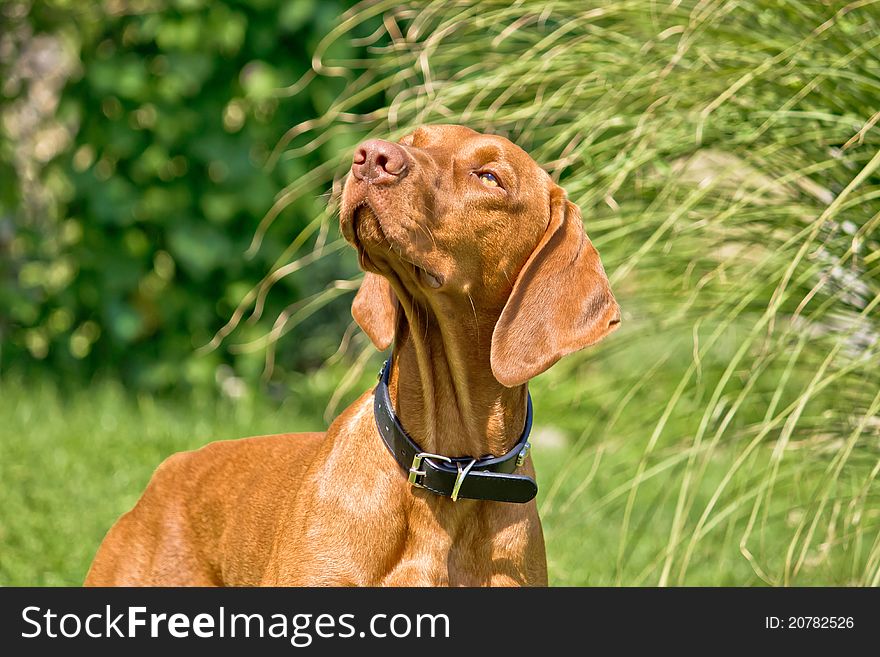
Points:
x=486, y=478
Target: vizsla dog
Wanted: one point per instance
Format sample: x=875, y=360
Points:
x=480, y=274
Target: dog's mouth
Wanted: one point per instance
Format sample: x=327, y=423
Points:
x=372, y=241
x=365, y=224
x=366, y=229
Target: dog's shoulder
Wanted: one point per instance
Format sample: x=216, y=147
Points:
x=238, y=460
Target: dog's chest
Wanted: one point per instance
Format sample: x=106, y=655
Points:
x=361, y=523
x=475, y=544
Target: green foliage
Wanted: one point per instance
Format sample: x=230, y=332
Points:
x=125, y=251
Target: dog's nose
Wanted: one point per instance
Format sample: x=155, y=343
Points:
x=379, y=162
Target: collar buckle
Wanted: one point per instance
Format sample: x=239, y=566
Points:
x=414, y=471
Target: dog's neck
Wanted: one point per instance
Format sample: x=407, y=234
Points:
x=442, y=387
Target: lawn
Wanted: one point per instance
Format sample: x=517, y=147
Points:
x=70, y=463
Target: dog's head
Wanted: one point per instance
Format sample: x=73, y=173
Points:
x=450, y=218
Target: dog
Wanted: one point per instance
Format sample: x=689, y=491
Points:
x=478, y=270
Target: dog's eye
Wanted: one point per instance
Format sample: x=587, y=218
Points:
x=488, y=179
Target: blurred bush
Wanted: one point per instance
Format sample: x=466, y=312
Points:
x=133, y=153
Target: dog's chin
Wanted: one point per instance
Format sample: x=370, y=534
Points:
x=366, y=227
x=378, y=252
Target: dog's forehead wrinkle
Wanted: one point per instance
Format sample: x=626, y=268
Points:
x=482, y=152
x=433, y=133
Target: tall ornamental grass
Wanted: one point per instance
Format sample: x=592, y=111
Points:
x=725, y=157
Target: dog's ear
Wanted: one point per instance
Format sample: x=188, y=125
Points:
x=561, y=300
x=375, y=309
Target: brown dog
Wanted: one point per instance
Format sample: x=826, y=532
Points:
x=479, y=271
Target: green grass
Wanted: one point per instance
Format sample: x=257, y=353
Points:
x=71, y=463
